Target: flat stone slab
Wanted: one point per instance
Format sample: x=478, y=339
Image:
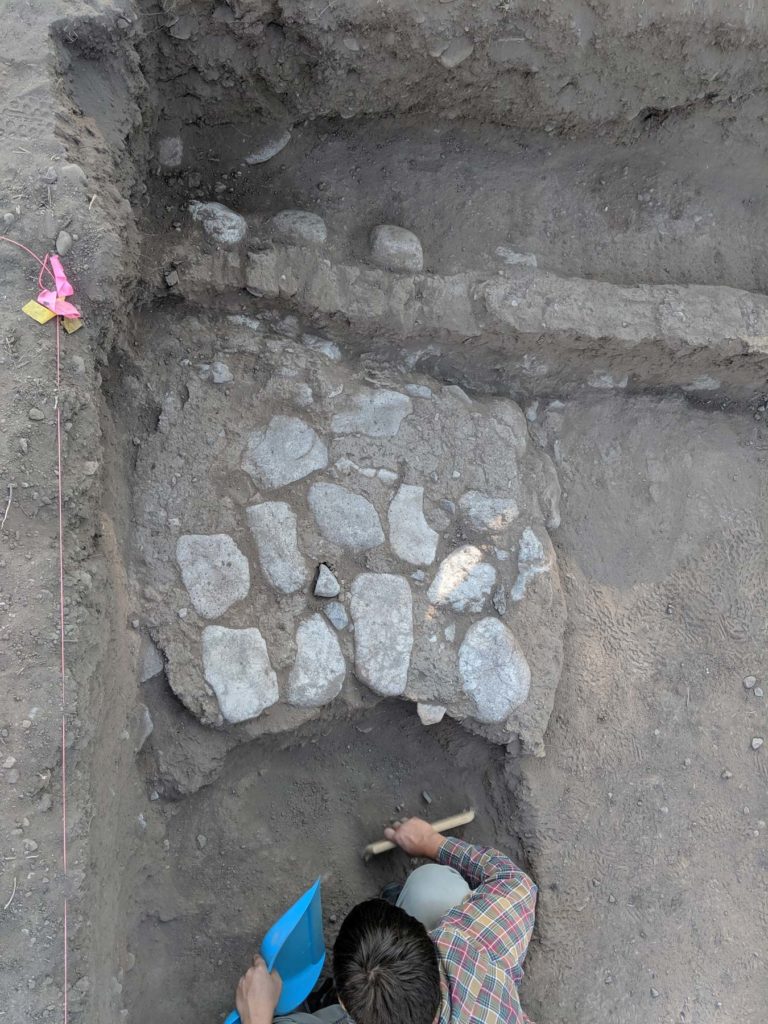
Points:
x=319, y=669
x=330, y=474
x=286, y=450
x=215, y=572
x=382, y=612
x=493, y=669
x=273, y=525
x=411, y=536
x=345, y=518
x=486, y=512
x=374, y=413
x=463, y=580
x=238, y=670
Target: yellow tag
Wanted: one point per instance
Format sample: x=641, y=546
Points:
x=39, y=313
x=70, y=326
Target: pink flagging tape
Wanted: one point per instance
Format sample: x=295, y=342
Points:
x=54, y=299
x=62, y=289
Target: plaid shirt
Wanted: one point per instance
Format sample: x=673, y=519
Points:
x=481, y=944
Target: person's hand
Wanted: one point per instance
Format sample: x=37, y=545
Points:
x=258, y=993
x=416, y=837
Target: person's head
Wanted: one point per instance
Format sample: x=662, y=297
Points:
x=385, y=966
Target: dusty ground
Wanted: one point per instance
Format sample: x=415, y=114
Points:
x=632, y=152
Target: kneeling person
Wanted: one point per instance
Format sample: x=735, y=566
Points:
x=451, y=950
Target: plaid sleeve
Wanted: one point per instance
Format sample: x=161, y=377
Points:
x=498, y=916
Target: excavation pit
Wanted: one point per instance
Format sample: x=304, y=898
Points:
x=219, y=866
x=584, y=290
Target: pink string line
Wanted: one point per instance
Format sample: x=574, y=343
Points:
x=45, y=268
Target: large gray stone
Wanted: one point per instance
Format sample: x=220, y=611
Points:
x=319, y=668
x=284, y=451
x=485, y=512
x=299, y=227
x=411, y=536
x=533, y=558
x=345, y=518
x=374, y=413
x=463, y=580
x=237, y=668
x=382, y=611
x=493, y=670
x=273, y=525
x=214, y=570
x=221, y=224
x=396, y=248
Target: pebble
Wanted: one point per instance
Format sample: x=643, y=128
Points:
x=758, y=691
x=654, y=993
x=9, y=762
x=749, y=682
x=425, y=796
x=336, y=614
x=36, y=414
x=172, y=278
x=725, y=774
x=326, y=584
x=201, y=841
x=50, y=176
x=64, y=243
x=757, y=742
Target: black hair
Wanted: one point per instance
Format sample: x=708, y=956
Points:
x=385, y=966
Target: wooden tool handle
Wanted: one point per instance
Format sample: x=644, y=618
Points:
x=444, y=825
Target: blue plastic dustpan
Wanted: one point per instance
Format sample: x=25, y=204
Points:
x=294, y=947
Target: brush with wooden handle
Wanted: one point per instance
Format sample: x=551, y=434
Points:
x=444, y=825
